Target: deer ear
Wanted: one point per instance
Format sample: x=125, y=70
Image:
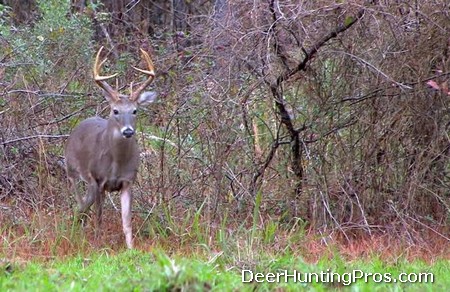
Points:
x=147, y=97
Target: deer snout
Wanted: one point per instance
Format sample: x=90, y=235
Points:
x=128, y=132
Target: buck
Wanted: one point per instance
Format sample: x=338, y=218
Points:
x=104, y=153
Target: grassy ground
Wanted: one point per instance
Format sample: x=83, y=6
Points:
x=188, y=252
x=147, y=271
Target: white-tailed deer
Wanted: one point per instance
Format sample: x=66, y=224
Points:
x=104, y=153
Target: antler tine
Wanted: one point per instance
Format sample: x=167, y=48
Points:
x=150, y=72
x=100, y=80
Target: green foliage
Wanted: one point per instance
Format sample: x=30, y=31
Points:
x=43, y=50
x=269, y=231
x=256, y=213
x=4, y=18
x=141, y=271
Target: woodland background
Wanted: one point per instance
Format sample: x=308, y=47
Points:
x=329, y=114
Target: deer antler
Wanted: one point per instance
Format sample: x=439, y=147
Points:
x=100, y=80
x=150, y=72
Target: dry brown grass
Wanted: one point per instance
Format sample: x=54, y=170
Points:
x=40, y=237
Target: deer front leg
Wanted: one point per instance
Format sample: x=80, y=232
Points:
x=125, y=201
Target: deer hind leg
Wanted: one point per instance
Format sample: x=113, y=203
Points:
x=72, y=178
x=73, y=188
x=91, y=194
x=99, y=199
x=125, y=201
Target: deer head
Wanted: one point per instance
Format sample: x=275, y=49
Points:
x=124, y=107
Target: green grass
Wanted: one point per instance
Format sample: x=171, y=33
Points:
x=150, y=271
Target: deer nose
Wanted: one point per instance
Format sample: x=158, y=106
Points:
x=128, y=132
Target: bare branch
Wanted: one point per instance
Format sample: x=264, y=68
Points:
x=309, y=53
x=33, y=137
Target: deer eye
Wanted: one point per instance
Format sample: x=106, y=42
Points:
x=116, y=112
x=134, y=112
